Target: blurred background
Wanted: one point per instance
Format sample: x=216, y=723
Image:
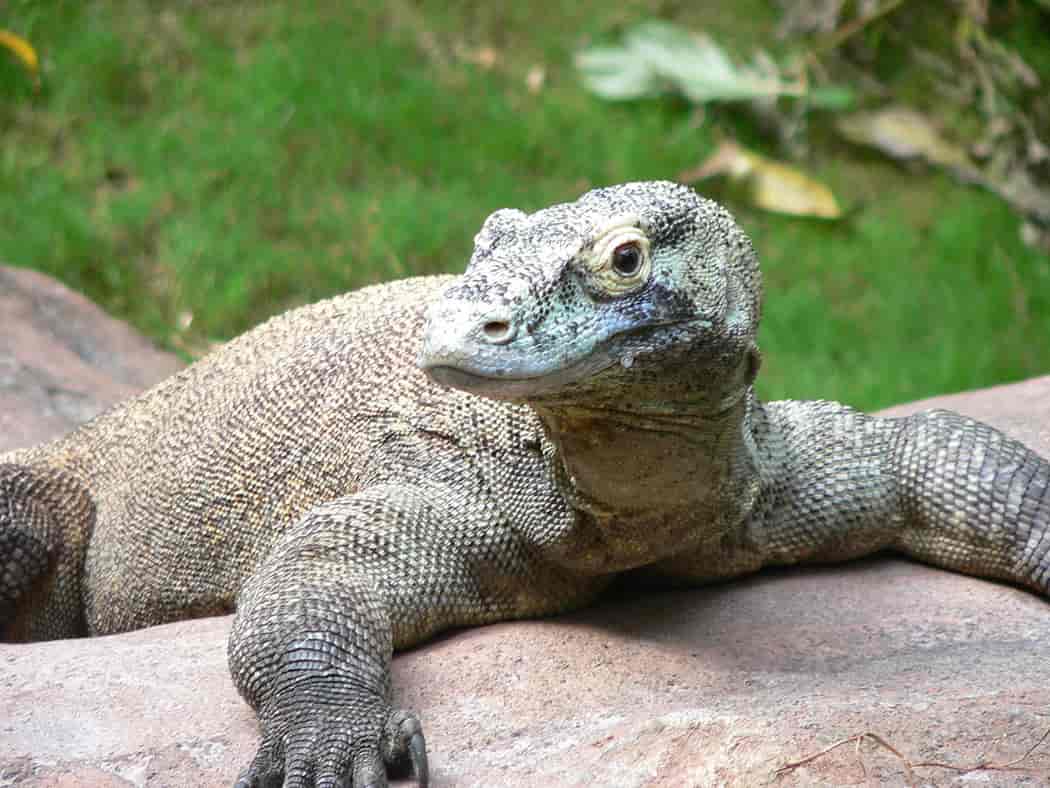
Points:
x=195, y=167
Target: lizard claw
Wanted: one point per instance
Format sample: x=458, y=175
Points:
x=260, y=774
x=337, y=750
x=405, y=746
x=417, y=747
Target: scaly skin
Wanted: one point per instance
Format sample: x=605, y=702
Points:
x=359, y=474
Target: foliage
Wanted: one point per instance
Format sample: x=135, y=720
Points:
x=656, y=57
x=197, y=167
x=1003, y=98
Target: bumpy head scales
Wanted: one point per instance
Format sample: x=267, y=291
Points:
x=598, y=297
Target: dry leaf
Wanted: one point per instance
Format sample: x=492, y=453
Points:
x=771, y=185
x=484, y=57
x=535, y=78
x=903, y=133
x=1016, y=185
x=22, y=50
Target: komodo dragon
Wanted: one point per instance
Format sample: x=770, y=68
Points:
x=356, y=475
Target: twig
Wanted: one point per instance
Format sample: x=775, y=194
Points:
x=851, y=28
x=860, y=758
x=856, y=738
x=909, y=766
x=987, y=766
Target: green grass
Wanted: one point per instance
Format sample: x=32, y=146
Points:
x=197, y=167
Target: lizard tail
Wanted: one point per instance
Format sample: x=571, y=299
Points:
x=45, y=520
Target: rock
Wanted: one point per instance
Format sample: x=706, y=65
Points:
x=63, y=360
x=716, y=686
x=712, y=687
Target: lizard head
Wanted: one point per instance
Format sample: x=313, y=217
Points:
x=640, y=290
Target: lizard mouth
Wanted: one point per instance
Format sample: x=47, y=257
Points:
x=506, y=385
x=505, y=375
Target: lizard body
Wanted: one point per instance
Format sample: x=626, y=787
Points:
x=356, y=475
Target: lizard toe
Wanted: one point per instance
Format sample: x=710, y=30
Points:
x=404, y=747
x=334, y=757
x=344, y=747
x=369, y=771
x=261, y=773
x=334, y=774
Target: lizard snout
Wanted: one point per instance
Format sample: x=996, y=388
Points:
x=460, y=333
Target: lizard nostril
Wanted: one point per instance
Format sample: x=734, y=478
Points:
x=498, y=332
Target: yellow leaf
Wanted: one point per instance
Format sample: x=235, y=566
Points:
x=903, y=133
x=783, y=189
x=771, y=185
x=21, y=49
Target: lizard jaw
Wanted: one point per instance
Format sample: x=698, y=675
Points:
x=501, y=386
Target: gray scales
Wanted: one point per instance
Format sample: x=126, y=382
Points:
x=357, y=475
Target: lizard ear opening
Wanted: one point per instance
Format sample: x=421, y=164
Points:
x=754, y=364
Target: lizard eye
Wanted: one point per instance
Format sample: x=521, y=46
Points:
x=619, y=261
x=627, y=259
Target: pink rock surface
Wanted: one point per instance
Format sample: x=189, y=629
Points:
x=717, y=686
x=63, y=360
x=712, y=687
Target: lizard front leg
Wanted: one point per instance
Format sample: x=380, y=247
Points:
x=937, y=486
x=833, y=484
x=354, y=580
x=973, y=500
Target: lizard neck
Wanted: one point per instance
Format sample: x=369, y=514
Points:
x=654, y=453
x=646, y=486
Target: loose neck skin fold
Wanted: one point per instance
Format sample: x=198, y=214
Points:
x=665, y=449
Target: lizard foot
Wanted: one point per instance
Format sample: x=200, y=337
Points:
x=336, y=749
